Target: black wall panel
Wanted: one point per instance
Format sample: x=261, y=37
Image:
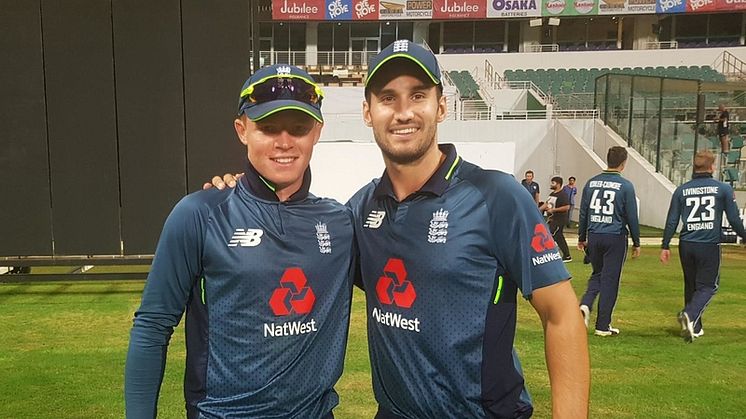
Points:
x=82, y=128
x=216, y=63
x=150, y=116
x=25, y=216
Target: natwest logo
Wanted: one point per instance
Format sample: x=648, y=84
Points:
x=298, y=9
x=542, y=240
x=393, y=286
x=293, y=296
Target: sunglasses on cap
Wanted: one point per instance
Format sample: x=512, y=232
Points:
x=282, y=87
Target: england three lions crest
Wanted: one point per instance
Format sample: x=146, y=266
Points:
x=438, y=227
x=324, y=238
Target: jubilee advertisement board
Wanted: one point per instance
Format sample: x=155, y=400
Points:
x=459, y=9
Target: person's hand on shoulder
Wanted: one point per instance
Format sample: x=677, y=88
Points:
x=220, y=183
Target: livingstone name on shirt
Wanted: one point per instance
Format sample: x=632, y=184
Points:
x=605, y=184
x=289, y=328
x=702, y=190
x=396, y=320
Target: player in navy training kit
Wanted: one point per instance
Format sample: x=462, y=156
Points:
x=608, y=208
x=444, y=248
x=263, y=271
x=699, y=204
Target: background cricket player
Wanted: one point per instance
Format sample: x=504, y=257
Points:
x=700, y=204
x=608, y=209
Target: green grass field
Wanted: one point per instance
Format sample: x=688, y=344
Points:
x=63, y=346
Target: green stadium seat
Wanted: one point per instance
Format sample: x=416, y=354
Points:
x=734, y=156
x=736, y=141
x=730, y=175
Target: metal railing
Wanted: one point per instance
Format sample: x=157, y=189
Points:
x=529, y=85
x=542, y=48
x=330, y=58
x=660, y=45
x=730, y=66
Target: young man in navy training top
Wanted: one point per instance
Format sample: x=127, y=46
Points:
x=700, y=204
x=607, y=210
x=264, y=272
x=557, y=207
x=441, y=267
x=531, y=186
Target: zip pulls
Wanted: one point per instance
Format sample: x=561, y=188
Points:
x=499, y=289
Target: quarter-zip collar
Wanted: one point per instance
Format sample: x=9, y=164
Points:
x=264, y=189
x=438, y=182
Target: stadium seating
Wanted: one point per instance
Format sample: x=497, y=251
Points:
x=567, y=81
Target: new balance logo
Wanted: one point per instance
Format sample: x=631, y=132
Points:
x=249, y=237
x=375, y=219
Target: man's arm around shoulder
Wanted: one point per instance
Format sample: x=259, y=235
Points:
x=565, y=348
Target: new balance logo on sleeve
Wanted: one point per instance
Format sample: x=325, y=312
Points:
x=249, y=237
x=375, y=219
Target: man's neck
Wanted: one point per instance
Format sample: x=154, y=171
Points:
x=407, y=179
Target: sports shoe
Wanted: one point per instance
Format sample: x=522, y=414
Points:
x=687, y=327
x=586, y=312
x=610, y=332
x=567, y=259
x=699, y=334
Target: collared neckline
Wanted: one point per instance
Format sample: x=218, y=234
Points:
x=264, y=189
x=702, y=175
x=613, y=172
x=438, y=182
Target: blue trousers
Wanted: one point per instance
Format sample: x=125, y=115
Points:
x=607, y=253
x=701, y=265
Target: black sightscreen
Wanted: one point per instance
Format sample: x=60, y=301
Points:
x=216, y=63
x=25, y=216
x=150, y=117
x=82, y=126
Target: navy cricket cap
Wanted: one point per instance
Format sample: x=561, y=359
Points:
x=277, y=88
x=405, y=49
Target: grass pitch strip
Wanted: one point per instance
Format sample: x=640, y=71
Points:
x=63, y=347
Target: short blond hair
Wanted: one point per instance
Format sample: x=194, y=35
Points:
x=703, y=161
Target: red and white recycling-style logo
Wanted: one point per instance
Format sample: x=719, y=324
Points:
x=542, y=240
x=293, y=296
x=393, y=286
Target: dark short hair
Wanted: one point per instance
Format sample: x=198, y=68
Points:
x=571, y=178
x=529, y=171
x=616, y=156
x=557, y=179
